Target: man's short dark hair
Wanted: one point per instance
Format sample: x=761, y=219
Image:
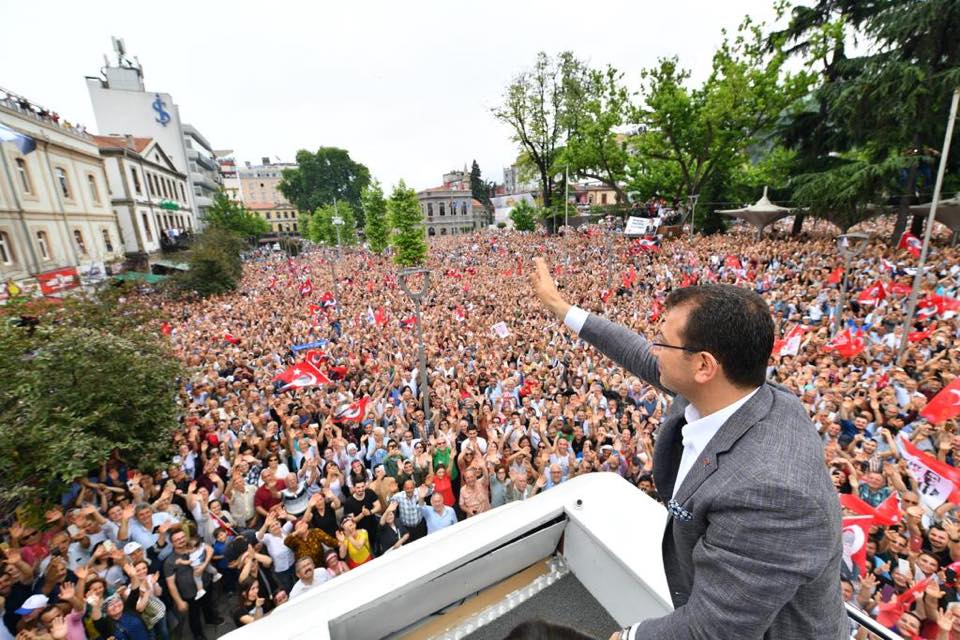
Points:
x=731, y=323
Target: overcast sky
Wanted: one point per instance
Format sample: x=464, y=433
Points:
x=405, y=87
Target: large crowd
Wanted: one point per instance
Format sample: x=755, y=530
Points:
x=273, y=490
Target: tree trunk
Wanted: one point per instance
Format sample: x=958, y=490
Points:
x=903, y=210
x=797, y=224
x=917, y=224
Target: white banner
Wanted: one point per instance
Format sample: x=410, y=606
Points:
x=501, y=329
x=934, y=488
x=641, y=226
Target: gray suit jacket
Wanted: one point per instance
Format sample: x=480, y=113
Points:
x=755, y=551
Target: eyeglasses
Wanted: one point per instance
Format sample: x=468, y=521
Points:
x=664, y=345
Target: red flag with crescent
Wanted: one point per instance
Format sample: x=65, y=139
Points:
x=944, y=405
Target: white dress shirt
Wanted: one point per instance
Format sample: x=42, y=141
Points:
x=699, y=431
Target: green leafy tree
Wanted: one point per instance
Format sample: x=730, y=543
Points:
x=482, y=190
x=233, y=216
x=374, y=207
x=86, y=380
x=324, y=177
x=215, y=264
x=540, y=106
x=523, y=216
x=322, y=230
x=406, y=219
x=597, y=147
x=710, y=129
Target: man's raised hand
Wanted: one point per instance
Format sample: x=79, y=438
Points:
x=546, y=289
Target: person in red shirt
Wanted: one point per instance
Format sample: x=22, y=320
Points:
x=268, y=495
x=443, y=486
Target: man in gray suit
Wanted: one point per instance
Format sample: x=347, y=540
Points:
x=752, y=548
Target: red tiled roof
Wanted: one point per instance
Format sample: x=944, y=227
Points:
x=121, y=142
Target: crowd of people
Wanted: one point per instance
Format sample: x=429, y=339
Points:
x=276, y=489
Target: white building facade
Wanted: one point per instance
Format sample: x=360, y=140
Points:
x=450, y=211
x=149, y=196
x=204, y=170
x=56, y=220
x=122, y=106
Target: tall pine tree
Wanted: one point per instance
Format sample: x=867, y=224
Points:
x=408, y=237
x=375, y=213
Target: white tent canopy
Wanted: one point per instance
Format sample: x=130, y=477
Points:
x=759, y=214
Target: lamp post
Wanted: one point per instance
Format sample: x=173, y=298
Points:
x=922, y=262
x=417, y=297
x=693, y=212
x=849, y=245
x=337, y=223
x=609, y=255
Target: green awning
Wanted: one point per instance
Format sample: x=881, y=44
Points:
x=139, y=276
x=169, y=205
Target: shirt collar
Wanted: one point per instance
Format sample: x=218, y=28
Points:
x=700, y=430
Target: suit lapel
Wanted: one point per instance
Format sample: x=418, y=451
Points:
x=732, y=430
x=668, y=450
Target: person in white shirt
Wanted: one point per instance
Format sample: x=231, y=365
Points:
x=273, y=534
x=308, y=577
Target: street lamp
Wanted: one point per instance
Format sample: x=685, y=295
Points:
x=849, y=245
x=609, y=256
x=417, y=297
x=337, y=223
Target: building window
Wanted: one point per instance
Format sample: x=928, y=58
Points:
x=441, y=210
x=6, y=249
x=136, y=181
x=430, y=209
x=294, y=226
x=107, y=244
x=81, y=245
x=63, y=182
x=146, y=226
x=443, y=230
x=183, y=194
x=431, y=231
x=43, y=244
x=603, y=198
x=94, y=192
x=268, y=215
x=163, y=188
x=24, y=176
x=151, y=187
x=463, y=208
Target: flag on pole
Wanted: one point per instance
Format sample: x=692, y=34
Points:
x=873, y=294
x=855, y=533
x=886, y=514
x=937, y=481
x=302, y=374
x=911, y=243
x=353, y=412
x=846, y=344
x=835, y=276
x=790, y=344
x=316, y=357
x=944, y=405
x=306, y=287
x=408, y=323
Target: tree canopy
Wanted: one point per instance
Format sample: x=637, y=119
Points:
x=321, y=229
x=406, y=219
x=325, y=177
x=524, y=216
x=231, y=215
x=374, y=207
x=91, y=377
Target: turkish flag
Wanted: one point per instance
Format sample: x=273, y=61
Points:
x=891, y=611
x=911, y=243
x=229, y=338
x=732, y=262
x=605, y=295
x=899, y=289
x=790, y=345
x=327, y=299
x=648, y=244
x=306, y=287
x=380, y=316
x=409, y=323
x=920, y=336
x=315, y=357
x=835, y=276
x=315, y=309
x=338, y=372
x=353, y=412
x=856, y=531
x=846, y=344
x=945, y=306
x=944, y=405
x=166, y=329
x=302, y=374
x=873, y=294
x=887, y=513
x=459, y=313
